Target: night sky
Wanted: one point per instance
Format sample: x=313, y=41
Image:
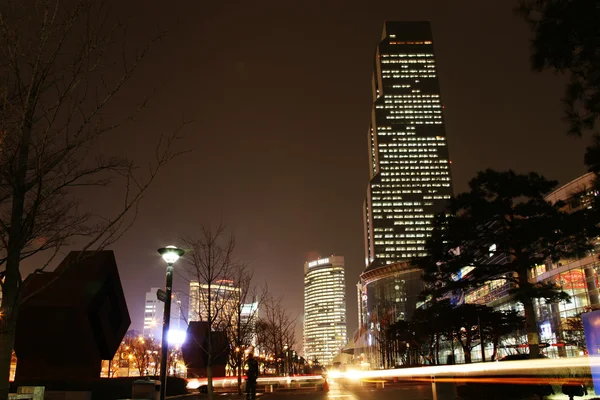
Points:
x=280, y=95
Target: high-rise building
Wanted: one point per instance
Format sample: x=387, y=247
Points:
x=224, y=299
x=153, y=315
x=408, y=155
x=177, y=322
x=409, y=182
x=248, y=317
x=324, y=308
x=194, y=306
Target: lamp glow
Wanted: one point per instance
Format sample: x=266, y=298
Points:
x=170, y=254
x=176, y=337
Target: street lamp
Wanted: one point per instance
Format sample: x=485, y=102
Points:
x=285, y=364
x=170, y=254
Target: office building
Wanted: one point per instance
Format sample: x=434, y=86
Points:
x=153, y=315
x=224, y=299
x=410, y=178
x=408, y=155
x=248, y=317
x=324, y=308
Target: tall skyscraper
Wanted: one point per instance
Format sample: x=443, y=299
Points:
x=409, y=182
x=324, y=308
x=408, y=156
x=153, y=315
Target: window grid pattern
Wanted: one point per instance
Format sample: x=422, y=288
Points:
x=324, y=310
x=409, y=162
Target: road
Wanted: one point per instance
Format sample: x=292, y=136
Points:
x=392, y=391
x=412, y=391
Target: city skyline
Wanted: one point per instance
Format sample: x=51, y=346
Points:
x=378, y=204
x=258, y=153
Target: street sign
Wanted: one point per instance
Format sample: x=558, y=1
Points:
x=161, y=295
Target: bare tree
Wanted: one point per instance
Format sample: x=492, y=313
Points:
x=241, y=330
x=56, y=82
x=143, y=352
x=210, y=262
x=275, y=328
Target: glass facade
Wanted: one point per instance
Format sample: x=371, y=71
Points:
x=324, y=309
x=386, y=294
x=409, y=163
x=559, y=324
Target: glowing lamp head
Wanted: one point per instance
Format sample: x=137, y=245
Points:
x=170, y=254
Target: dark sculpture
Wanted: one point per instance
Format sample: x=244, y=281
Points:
x=195, y=350
x=76, y=317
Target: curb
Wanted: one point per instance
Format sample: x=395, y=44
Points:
x=182, y=396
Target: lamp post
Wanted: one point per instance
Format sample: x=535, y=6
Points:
x=285, y=364
x=170, y=254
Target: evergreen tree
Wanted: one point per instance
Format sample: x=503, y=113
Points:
x=500, y=230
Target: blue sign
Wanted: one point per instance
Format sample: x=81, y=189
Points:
x=591, y=328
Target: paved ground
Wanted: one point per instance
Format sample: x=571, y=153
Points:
x=409, y=391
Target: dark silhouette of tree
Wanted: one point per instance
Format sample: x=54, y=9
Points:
x=275, y=329
x=500, y=230
x=57, y=86
x=567, y=40
x=242, y=328
x=572, y=332
x=210, y=261
x=497, y=325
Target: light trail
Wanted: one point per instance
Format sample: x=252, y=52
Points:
x=231, y=381
x=578, y=365
x=538, y=371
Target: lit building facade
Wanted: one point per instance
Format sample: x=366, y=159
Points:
x=324, y=308
x=223, y=297
x=249, y=317
x=410, y=178
x=153, y=315
x=559, y=324
x=408, y=155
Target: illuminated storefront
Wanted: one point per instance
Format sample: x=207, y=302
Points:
x=559, y=324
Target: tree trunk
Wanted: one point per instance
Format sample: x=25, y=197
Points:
x=533, y=338
x=437, y=349
x=467, y=348
x=239, y=374
x=209, y=378
x=8, y=320
x=495, y=351
x=7, y=340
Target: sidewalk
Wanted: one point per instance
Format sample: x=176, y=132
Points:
x=263, y=396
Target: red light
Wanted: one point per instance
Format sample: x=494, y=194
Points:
x=450, y=161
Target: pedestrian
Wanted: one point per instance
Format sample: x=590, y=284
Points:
x=252, y=375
